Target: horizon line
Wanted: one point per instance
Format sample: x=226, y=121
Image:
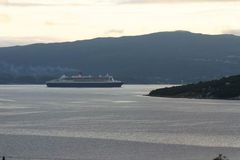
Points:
x=115, y=37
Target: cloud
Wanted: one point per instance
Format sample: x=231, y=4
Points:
x=13, y=41
x=232, y=31
x=4, y=18
x=3, y=1
x=27, y=3
x=50, y=23
x=169, y=1
x=30, y=3
x=114, y=32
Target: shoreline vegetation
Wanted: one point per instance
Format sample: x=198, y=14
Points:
x=225, y=88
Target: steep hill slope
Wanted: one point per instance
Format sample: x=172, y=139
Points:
x=169, y=57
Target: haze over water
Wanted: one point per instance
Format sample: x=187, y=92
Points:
x=114, y=124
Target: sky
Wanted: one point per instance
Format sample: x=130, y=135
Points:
x=37, y=21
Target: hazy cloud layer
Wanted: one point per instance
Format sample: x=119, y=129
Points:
x=170, y=1
x=114, y=32
x=12, y=41
x=37, y=20
x=234, y=31
x=29, y=3
x=26, y=3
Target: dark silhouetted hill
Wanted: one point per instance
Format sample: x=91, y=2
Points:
x=165, y=57
x=225, y=88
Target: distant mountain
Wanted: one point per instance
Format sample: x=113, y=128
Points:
x=165, y=57
x=225, y=88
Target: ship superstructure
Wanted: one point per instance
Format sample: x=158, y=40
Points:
x=85, y=81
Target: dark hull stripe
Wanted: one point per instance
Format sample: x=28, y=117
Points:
x=85, y=85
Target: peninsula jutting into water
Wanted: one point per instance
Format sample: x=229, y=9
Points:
x=225, y=88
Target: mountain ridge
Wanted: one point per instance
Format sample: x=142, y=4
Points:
x=147, y=34
x=162, y=57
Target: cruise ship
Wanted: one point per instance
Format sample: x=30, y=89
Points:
x=80, y=81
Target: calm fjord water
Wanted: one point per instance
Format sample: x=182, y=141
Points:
x=114, y=124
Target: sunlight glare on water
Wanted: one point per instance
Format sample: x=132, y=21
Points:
x=114, y=123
